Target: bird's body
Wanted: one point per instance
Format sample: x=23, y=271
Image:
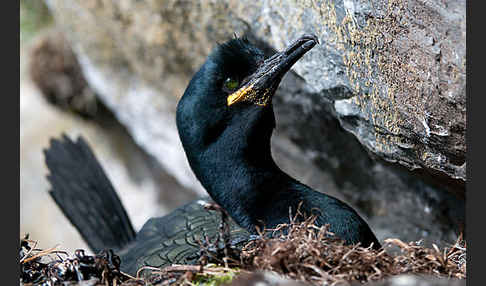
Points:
x=225, y=121
x=228, y=145
x=80, y=187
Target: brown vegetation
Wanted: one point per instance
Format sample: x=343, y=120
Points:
x=299, y=251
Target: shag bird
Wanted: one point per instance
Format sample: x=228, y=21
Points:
x=225, y=121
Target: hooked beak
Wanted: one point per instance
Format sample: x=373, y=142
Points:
x=259, y=87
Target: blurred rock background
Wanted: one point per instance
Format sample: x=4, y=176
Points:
x=374, y=115
x=55, y=99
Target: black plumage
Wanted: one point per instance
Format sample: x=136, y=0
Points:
x=81, y=189
x=225, y=120
x=227, y=143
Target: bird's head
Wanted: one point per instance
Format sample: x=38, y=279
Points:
x=231, y=95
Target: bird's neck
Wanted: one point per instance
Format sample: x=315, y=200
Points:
x=242, y=186
x=238, y=170
x=244, y=163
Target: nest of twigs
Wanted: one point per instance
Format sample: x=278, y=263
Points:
x=56, y=267
x=299, y=251
x=309, y=253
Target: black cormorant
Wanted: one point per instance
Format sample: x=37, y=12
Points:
x=225, y=121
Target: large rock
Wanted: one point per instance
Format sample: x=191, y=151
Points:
x=375, y=114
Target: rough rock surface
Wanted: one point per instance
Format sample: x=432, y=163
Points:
x=383, y=94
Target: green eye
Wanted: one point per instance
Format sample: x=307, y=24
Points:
x=231, y=83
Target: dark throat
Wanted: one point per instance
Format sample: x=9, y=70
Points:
x=237, y=168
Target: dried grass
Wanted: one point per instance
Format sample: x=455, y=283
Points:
x=309, y=253
x=298, y=250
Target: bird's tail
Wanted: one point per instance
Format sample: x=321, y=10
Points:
x=83, y=192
